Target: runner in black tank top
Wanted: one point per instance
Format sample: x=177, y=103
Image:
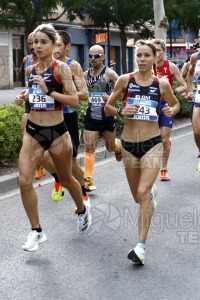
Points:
x=142, y=146
x=100, y=81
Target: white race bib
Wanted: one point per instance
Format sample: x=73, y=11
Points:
x=39, y=100
x=95, y=99
x=146, y=111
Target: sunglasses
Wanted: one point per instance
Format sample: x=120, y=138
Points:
x=95, y=56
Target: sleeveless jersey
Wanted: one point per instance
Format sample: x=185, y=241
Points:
x=162, y=71
x=197, y=79
x=38, y=100
x=68, y=109
x=97, y=87
x=29, y=62
x=148, y=97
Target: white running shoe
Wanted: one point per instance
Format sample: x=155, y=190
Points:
x=85, y=220
x=137, y=255
x=154, y=203
x=33, y=239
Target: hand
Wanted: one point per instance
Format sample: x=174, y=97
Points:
x=131, y=109
x=19, y=99
x=190, y=95
x=38, y=79
x=105, y=97
x=167, y=110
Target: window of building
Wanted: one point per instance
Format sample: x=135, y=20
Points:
x=4, y=38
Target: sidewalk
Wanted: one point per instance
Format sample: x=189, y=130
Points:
x=8, y=96
x=10, y=182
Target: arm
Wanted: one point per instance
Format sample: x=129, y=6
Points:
x=190, y=75
x=119, y=89
x=112, y=78
x=79, y=80
x=178, y=77
x=173, y=105
x=64, y=73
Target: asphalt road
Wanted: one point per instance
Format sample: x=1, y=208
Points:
x=95, y=265
x=8, y=96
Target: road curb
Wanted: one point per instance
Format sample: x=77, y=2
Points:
x=10, y=182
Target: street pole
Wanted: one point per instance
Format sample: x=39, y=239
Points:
x=40, y=11
x=108, y=38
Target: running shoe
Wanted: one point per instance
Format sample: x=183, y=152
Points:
x=85, y=198
x=154, y=203
x=118, y=150
x=34, y=238
x=198, y=168
x=89, y=184
x=85, y=220
x=39, y=172
x=164, y=176
x=57, y=192
x=137, y=255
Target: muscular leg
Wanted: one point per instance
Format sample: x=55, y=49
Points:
x=24, y=121
x=29, y=157
x=165, y=134
x=109, y=138
x=61, y=154
x=196, y=125
x=141, y=176
x=90, y=140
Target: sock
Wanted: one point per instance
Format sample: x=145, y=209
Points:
x=163, y=169
x=141, y=244
x=55, y=177
x=89, y=160
x=82, y=213
x=37, y=229
x=83, y=190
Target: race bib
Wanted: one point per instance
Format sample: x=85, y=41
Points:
x=95, y=99
x=39, y=100
x=197, y=94
x=147, y=109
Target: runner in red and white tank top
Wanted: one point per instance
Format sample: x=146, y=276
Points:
x=169, y=71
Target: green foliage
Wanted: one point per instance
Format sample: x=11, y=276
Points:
x=10, y=132
x=184, y=105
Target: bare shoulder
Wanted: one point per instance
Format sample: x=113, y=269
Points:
x=25, y=59
x=193, y=58
x=173, y=68
x=75, y=68
x=163, y=83
x=111, y=75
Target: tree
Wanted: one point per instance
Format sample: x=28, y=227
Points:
x=117, y=13
x=18, y=14
x=160, y=18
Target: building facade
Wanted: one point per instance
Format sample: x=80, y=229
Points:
x=13, y=49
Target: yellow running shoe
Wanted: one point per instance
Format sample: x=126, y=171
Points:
x=39, y=172
x=58, y=192
x=198, y=168
x=118, y=150
x=89, y=184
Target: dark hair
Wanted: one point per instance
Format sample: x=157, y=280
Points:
x=148, y=43
x=48, y=29
x=66, y=37
x=159, y=42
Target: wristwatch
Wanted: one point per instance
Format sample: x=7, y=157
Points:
x=50, y=90
x=119, y=111
x=175, y=92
